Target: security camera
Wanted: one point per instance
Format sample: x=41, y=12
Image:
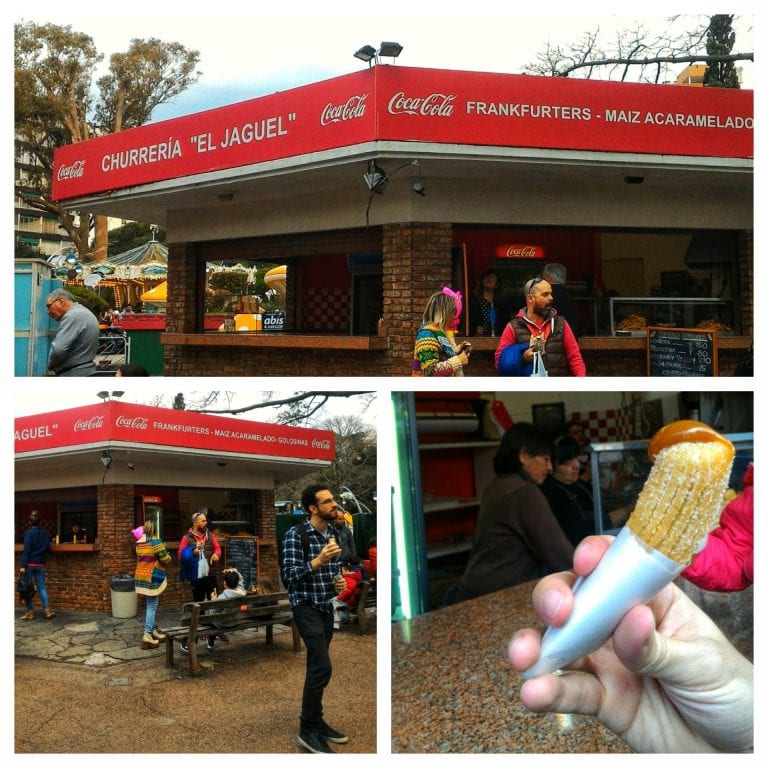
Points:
x=418, y=188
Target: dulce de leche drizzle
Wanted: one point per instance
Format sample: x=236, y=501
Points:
x=683, y=495
x=685, y=431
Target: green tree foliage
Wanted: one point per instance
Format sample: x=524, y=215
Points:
x=56, y=103
x=720, y=40
x=89, y=298
x=132, y=235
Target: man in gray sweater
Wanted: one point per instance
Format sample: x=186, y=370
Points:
x=77, y=340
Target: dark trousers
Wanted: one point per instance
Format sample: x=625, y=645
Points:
x=316, y=630
x=202, y=589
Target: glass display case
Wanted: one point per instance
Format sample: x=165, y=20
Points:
x=630, y=316
x=619, y=471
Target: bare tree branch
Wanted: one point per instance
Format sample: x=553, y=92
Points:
x=287, y=401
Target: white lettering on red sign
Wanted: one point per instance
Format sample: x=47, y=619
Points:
x=137, y=422
x=73, y=171
x=434, y=105
x=352, y=108
x=32, y=433
x=83, y=425
x=324, y=444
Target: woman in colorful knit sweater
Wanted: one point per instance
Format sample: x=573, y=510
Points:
x=436, y=352
x=151, y=559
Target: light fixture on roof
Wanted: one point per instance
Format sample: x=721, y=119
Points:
x=370, y=54
x=104, y=395
x=391, y=50
x=106, y=459
x=366, y=53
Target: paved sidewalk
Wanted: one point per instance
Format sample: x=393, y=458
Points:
x=83, y=685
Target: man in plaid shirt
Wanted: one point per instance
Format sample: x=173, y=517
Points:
x=313, y=580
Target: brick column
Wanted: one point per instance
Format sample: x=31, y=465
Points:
x=266, y=530
x=416, y=263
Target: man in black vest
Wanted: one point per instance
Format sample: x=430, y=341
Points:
x=538, y=328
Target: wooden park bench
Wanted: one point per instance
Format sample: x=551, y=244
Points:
x=231, y=615
x=366, y=602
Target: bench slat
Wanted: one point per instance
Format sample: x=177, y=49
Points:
x=249, y=611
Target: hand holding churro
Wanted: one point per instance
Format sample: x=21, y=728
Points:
x=702, y=676
x=668, y=680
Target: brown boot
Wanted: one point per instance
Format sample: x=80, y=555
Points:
x=28, y=616
x=148, y=642
x=49, y=613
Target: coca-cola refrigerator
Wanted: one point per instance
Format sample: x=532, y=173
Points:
x=149, y=508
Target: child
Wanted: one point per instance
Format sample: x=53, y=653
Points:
x=350, y=596
x=233, y=587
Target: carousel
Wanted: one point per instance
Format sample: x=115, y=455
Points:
x=121, y=280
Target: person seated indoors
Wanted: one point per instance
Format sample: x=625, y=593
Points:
x=349, y=597
x=75, y=536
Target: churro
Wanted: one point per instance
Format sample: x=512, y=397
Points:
x=679, y=504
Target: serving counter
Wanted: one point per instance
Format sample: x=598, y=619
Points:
x=454, y=691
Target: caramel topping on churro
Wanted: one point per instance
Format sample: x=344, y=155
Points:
x=683, y=495
x=685, y=431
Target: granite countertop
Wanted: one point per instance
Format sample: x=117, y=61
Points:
x=454, y=691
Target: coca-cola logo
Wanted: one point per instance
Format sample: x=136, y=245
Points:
x=434, y=105
x=352, y=108
x=323, y=444
x=73, y=171
x=95, y=422
x=520, y=251
x=137, y=422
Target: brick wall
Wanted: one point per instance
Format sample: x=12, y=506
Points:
x=79, y=581
x=417, y=262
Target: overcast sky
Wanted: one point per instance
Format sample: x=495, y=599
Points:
x=46, y=395
x=249, y=49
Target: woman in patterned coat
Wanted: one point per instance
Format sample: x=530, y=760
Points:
x=151, y=559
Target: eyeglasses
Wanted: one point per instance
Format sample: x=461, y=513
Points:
x=326, y=501
x=49, y=305
x=532, y=283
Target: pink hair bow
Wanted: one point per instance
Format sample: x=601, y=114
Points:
x=456, y=296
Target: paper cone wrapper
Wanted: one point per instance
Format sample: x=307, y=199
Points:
x=629, y=574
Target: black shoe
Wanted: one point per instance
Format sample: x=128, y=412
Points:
x=314, y=742
x=210, y=641
x=330, y=734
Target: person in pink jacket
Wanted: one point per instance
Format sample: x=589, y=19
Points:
x=726, y=564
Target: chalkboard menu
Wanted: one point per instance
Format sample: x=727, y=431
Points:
x=681, y=352
x=241, y=554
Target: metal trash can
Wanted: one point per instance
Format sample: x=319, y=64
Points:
x=124, y=600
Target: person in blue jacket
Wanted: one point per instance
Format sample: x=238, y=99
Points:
x=37, y=544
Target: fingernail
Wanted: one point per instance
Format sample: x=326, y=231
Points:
x=551, y=601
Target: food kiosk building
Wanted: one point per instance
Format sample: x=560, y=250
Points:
x=111, y=465
x=378, y=187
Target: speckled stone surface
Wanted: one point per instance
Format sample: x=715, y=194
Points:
x=453, y=690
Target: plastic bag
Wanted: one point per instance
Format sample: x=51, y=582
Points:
x=202, y=567
x=538, y=365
